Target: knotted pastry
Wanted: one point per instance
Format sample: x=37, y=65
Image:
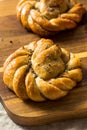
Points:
x=42, y=70
x=47, y=17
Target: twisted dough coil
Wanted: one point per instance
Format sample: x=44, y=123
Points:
x=42, y=70
x=47, y=17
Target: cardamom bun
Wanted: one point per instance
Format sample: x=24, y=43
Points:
x=42, y=70
x=47, y=17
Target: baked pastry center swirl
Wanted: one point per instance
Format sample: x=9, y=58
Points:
x=47, y=17
x=46, y=60
x=42, y=70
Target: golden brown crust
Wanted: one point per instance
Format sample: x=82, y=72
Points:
x=32, y=89
x=19, y=82
x=11, y=68
x=49, y=17
x=42, y=70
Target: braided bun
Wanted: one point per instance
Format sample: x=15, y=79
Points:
x=47, y=17
x=42, y=70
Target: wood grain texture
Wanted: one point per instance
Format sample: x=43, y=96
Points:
x=80, y=55
x=7, y=7
x=13, y=36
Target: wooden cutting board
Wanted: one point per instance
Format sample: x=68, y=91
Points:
x=74, y=105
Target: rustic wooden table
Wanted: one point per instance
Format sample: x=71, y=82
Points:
x=12, y=36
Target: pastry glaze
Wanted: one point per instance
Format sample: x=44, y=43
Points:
x=47, y=17
x=42, y=70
